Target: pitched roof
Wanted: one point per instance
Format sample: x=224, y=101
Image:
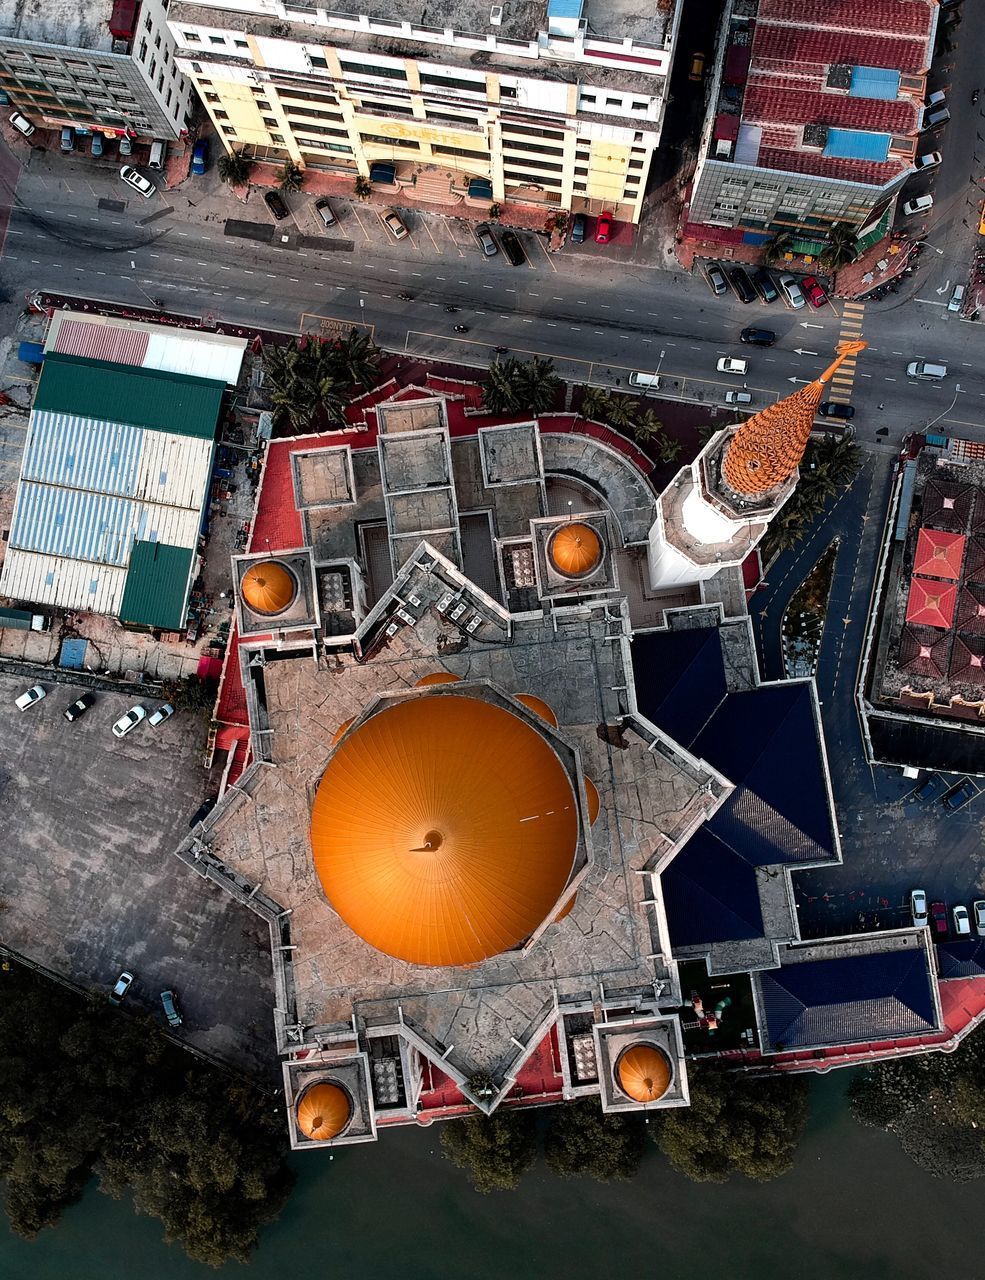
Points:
x=710, y=894
x=968, y=660
x=961, y=959
x=680, y=679
x=931, y=602
x=923, y=651
x=846, y=999
x=971, y=609
x=947, y=505
x=157, y=585
x=106, y=392
x=939, y=554
x=974, y=558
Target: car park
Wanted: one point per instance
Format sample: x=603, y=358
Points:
x=959, y=795
x=393, y=222
x=325, y=212
x=758, y=337
x=815, y=294
x=169, y=1002
x=962, y=925
x=79, y=707
x=22, y=124
x=926, y=369
x=29, y=697
x=487, y=242
x=578, y=228
x=919, y=204
x=275, y=203
x=742, y=284
x=513, y=249
x=716, y=278
x=791, y=291
x=128, y=721
x=97, y=145
x=933, y=117
x=162, y=713
x=938, y=917
x=928, y=161
x=918, y=907
x=143, y=186
x=832, y=409
x=603, y=228
x=733, y=365
x=738, y=397
x=762, y=282
x=200, y=157
x=122, y=985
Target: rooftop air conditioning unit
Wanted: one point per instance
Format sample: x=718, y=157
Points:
x=496, y=15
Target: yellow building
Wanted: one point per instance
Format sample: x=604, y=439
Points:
x=524, y=106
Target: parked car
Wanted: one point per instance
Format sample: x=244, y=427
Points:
x=831, y=409
x=962, y=925
x=919, y=204
x=171, y=1012
x=603, y=228
x=486, y=241
x=791, y=291
x=68, y=138
x=578, y=228
x=716, y=278
x=393, y=222
x=932, y=788
x=143, y=186
x=697, y=67
x=202, y=812
x=929, y=161
x=738, y=397
x=978, y=910
x=758, y=337
x=933, y=117
x=200, y=157
x=742, y=285
x=733, y=364
x=29, y=697
x=275, y=203
x=938, y=916
x=956, y=299
x=815, y=294
x=161, y=714
x=123, y=985
x=918, y=907
x=762, y=282
x=325, y=212
x=97, y=145
x=79, y=707
x=128, y=721
x=513, y=249
x=126, y=145
x=22, y=124
x=937, y=97
x=960, y=795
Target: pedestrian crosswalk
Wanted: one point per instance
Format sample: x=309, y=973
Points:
x=840, y=389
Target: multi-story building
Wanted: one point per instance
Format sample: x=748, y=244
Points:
x=528, y=102
x=110, y=68
x=814, y=118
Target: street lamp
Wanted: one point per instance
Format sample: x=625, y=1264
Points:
x=954, y=400
x=656, y=375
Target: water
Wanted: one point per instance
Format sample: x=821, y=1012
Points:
x=853, y=1206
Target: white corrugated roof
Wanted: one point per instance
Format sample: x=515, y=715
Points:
x=61, y=582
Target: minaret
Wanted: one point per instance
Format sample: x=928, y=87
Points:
x=715, y=511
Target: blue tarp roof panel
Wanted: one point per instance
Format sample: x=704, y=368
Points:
x=875, y=82
x=857, y=144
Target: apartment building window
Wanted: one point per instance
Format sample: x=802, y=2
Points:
x=639, y=106
x=464, y=152
x=305, y=126
x=400, y=108
x=192, y=37
x=507, y=91
x=297, y=110
x=262, y=104
x=197, y=68
x=390, y=142
x=160, y=83
x=388, y=73
x=153, y=68
x=167, y=100
x=553, y=168
x=241, y=44
x=589, y=97
x=448, y=82
x=157, y=41
x=221, y=115
x=533, y=133
x=147, y=22
x=276, y=137
x=270, y=122
x=142, y=55
x=579, y=186
x=453, y=119
x=636, y=164
x=217, y=39
x=581, y=172
x=515, y=145
x=167, y=58
x=534, y=179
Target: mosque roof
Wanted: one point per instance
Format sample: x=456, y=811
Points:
x=574, y=549
x=444, y=829
x=644, y=1072
x=268, y=587
x=323, y=1111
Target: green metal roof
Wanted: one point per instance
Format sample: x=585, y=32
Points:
x=156, y=590
x=108, y=392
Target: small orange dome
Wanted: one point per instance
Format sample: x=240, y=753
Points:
x=437, y=677
x=644, y=1072
x=323, y=1111
x=538, y=706
x=574, y=549
x=594, y=801
x=268, y=587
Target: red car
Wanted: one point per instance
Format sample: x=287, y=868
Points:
x=603, y=228
x=938, y=915
x=814, y=291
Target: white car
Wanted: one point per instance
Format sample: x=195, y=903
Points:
x=918, y=907
x=123, y=985
x=738, y=397
x=929, y=161
x=978, y=908
x=143, y=186
x=161, y=714
x=791, y=291
x=22, y=124
x=962, y=925
x=732, y=364
x=919, y=204
x=127, y=722
x=393, y=222
x=29, y=697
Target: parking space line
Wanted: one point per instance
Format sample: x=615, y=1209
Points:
x=546, y=255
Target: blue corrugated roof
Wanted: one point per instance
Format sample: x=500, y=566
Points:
x=874, y=82
x=69, y=450
x=72, y=655
x=564, y=8
x=72, y=523
x=857, y=144
x=710, y=894
x=848, y=999
x=680, y=679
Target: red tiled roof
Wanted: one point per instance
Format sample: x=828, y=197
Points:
x=873, y=172
x=931, y=603
x=939, y=554
x=819, y=44
x=923, y=651
x=907, y=17
x=947, y=505
x=764, y=104
x=968, y=660
x=971, y=609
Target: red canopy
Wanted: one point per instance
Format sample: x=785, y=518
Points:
x=931, y=604
x=939, y=554
x=209, y=668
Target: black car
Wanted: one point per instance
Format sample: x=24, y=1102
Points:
x=832, y=410
x=513, y=249
x=578, y=229
x=742, y=284
x=80, y=706
x=758, y=337
x=762, y=282
x=276, y=205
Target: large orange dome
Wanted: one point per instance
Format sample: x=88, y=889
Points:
x=444, y=830
x=644, y=1072
x=268, y=587
x=323, y=1111
x=574, y=549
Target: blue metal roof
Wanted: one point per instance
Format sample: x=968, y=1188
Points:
x=72, y=523
x=857, y=144
x=874, y=82
x=710, y=894
x=72, y=655
x=564, y=8
x=961, y=959
x=847, y=999
x=680, y=679
x=69, y=450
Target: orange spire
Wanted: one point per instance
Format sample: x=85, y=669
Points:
x=768, y=447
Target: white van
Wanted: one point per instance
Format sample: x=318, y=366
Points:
x=158, y=154
x=738, y=397
x=650, y=380
x=925, y=369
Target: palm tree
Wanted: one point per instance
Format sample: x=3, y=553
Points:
x=668, y=449
x=647, y=426
x=838, y=459
x=595, y=404
x=499, y=393
x=539, y=386
x=621, y=413
x=776, y=248
x=842, y=247
x=357, y=360
x=362, y=187
x=234, y=168
x=292, y=177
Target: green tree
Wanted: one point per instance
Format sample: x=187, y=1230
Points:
x=515, y=386
x=777, y=247
x=496, y=1151
x=356, y=359
x=842, y=247
x=291, y=177
x=734, y=1125
x=306, y=385
x=582, y=1140
x=495, y=212
x=362, y=187
x=647, y=426
x=595, y=404
x=191, y=694
x=234, y=168
x=668, y=449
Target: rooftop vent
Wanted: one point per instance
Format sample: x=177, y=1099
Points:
x=496, y=15
x=839, y=76
x=815, y=135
